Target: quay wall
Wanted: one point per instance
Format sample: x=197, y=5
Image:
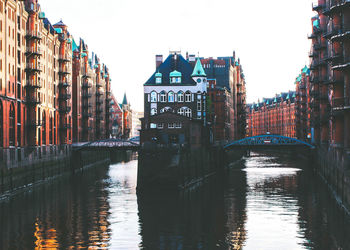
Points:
x=180, y=167
x=25, y=167
x=333, y=165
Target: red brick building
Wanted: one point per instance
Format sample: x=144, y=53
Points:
x=220, y=112
x=273, y=115
x=36, y=92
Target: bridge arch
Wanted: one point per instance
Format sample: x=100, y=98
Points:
x=267, y=141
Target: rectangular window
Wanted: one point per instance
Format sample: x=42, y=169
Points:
x=178, y=125
x=160, y=125
x=153, y=125
x=171, y=125
x=199, y=105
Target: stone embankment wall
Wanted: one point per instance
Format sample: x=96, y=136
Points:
x=180, y=167
x=333, y=165
x=32, y=166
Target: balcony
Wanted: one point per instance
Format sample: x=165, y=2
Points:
x=85, y=75
x=99, y=93
x=35, y=51
x=63, y=84
x=65, y=96
x=64, y=70
x=319, y=46
x=99, y=101
x=342, y=64
x=99, y=110
x=33, y=35
x=86, y=85
x=87, y=105
x=33, y=67
x=64, y=58
x=33, y=84
x=340, y=103
x=87, y=95
x=313, y=54
x=34, y=123
x=317, y=7
x=65, y=109
x=87, y=114
x=33, y=100
x=337, y=6
x=99, y=85
x=65, y=126
x=332, y=31
x=341, y=36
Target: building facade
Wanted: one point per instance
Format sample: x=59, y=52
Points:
x=330, y=74
x=273, y=116
x=175, y=102
x=37, y=92
x=228, y=74
x=302, y=103
x=220, y=111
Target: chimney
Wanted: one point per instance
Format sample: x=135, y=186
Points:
x=159, y=60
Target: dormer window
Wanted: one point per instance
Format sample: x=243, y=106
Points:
x=158, y=77
x=175, y=77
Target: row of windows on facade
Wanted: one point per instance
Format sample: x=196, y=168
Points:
x=172, y=97
x=172, y=125
x=172, y=80
x=185, y=111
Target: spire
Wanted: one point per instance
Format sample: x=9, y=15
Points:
x=125, y=100
x=198, y=69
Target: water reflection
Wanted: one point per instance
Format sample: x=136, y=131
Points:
x=266, y=203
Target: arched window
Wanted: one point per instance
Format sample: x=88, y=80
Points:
x=166, y=109
x=188, y=97
x=43, y=128
x=185, y=111
x=153, y=96
x=171, y=96
x=162, y=96
x=180, y=96
x=12, y=123
x=153, y=111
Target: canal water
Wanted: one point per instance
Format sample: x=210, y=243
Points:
x=267, y=202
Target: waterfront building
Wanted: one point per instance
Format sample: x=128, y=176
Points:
x=136, y=123
x=273, y=116
x=302, y=103
x=228, y=74
x=37, y=91
x=175, y=102
x=330, y=72
x=91, y=95
x=116, y=118
x=220, y=111
x=127, y=117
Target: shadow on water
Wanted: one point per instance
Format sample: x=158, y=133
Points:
x=267, y=202
x=206, y=217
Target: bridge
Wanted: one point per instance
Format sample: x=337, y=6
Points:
x=108, y=144
x=268, y=142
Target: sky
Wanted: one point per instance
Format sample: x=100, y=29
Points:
x=269, y=37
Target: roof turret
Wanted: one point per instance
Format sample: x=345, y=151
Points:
x=198, y=70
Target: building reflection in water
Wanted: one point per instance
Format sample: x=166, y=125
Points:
x=267, y=203
x=208, y=217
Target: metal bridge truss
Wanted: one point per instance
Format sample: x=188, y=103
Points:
x=112, y=144
x=265, y=141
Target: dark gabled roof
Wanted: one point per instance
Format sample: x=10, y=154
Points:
x=173, y=62
x=60, y=23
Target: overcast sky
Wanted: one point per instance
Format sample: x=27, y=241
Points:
x=270, y=37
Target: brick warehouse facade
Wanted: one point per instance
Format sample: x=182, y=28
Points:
x=273, y=115
x=36, y=92
x=228, y=74
x=330, y=73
